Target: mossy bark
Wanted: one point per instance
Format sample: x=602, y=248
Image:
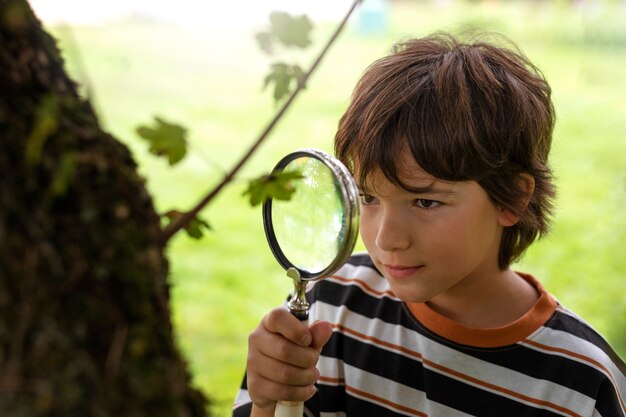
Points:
x=85, y=327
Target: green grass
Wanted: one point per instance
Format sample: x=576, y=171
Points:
x=210, y=81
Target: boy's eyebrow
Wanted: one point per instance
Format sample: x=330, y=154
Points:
x=429, y=189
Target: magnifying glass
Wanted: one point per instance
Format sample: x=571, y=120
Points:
x=313, y=233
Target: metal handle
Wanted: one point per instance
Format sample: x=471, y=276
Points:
x=299, y=307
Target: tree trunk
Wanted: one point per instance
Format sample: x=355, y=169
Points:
x=85, y=326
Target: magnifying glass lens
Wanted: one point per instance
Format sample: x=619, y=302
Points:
x=310, y=227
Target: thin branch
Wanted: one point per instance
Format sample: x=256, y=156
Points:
x=184, y=219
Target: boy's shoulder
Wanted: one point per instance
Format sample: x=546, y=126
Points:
x=567, y=334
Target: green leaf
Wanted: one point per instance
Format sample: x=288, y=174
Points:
x=283, y=75
x=266, y=42
x=194, y=228
x=278, y=185
x=165, y=139
x=290, y=30
x=63, y=174
x=45, y=124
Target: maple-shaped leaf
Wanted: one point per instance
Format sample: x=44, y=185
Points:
x=266, y=42
x=278, y=185
x=291, y=30
x=282, y=75
x=194, y=228
x=165, y=139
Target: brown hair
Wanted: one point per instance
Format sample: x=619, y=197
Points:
x=467, y=111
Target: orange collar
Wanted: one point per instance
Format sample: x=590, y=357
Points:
x=506, y=335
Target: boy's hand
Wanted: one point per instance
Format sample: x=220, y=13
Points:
x=282, y=355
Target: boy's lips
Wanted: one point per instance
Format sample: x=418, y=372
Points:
x=400, y=271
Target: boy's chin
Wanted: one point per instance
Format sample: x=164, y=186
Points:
x=409, y=295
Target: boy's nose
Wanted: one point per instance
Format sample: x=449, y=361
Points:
x=393, y=233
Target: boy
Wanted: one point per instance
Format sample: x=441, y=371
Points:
x=449, y=144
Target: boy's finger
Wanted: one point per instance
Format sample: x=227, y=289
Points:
x=320, y=332
x=276, y=346
x=285, y=373
x=281, y=321
x=270, y=390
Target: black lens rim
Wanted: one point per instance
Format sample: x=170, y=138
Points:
x=350, y=203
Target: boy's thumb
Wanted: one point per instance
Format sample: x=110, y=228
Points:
x=321, y=332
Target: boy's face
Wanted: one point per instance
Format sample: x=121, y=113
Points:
x=439, y=243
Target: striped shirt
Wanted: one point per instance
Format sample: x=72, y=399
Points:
x=391, y=358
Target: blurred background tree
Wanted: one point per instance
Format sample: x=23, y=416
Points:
x=85, y=324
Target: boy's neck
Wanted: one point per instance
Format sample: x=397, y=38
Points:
x=496, y=303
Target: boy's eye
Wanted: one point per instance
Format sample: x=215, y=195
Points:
x=426, y=204
x=367, y=199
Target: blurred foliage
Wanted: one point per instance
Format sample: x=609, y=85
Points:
x=169, y=140
x=195, y=228
x=45, y=124
x=283, y=76
x=290, y=31
x=278, y=185
x=165, y=139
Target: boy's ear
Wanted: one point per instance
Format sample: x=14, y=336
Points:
x=507, y=217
